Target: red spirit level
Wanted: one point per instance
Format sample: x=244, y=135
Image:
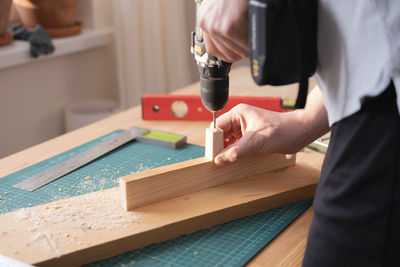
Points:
x=190, y=108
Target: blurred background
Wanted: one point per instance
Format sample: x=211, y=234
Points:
x=107, y=54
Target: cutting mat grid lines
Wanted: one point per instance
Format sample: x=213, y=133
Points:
x=229, y=244
x=100, y=174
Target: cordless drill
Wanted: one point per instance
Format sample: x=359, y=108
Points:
x=214, y=73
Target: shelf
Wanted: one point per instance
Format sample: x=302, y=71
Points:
x=17, y=53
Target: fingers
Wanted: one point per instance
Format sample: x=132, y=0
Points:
x=230, y=141
x=225, y=28
x=232, y=124
x=238, y=143
x=223, y=50
x=236, y=151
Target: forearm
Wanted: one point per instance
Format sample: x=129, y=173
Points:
x=249, y=129
x=313, y=119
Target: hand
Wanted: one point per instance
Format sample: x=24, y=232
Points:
x=225, y=28
x=248, y=129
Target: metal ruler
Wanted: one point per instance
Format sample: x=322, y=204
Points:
x=144, y=135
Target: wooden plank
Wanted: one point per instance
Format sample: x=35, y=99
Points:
x=241, y=83
x=144, y=188
x=94, y=226
x=293, y=237
x=214, y=142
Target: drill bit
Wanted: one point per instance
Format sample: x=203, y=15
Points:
x=215, y=119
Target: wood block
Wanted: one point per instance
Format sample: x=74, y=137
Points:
x=144, y=188
x=214, y=142
x=94, y=226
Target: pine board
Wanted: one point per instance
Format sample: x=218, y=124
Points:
x=18, y=230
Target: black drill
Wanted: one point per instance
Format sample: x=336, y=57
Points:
x=214, y=73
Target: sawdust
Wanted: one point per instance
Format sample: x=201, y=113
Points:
x=142, y=168
x=45, y=239
x=64, y=222
x=85, y=185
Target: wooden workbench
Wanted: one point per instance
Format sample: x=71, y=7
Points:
x=286, y=250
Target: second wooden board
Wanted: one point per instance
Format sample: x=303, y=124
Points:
x=144, y=188
x=86, y=228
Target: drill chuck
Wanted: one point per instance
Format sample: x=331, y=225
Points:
x=214, y=92
x=214, y=73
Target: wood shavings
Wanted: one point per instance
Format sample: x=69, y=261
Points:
x=77, y=216
x=45, y=239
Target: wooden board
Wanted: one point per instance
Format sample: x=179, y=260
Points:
x=94, y=226
x=241, y=83
x=214, y=142
x=147, y=187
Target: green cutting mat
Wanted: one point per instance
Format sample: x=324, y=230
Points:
x=100, y=174
x=230, y=244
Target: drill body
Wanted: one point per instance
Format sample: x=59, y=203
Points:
x=214, y=73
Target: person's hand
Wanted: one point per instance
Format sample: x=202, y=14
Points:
x=225, y=28
x=248, y=129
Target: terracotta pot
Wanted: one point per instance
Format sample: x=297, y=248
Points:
x=5, y=8
x=5, y=36
x=48, y=13
x=14, y=17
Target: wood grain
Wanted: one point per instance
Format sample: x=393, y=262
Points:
x=144, y=188
x=61, y=240
x=307, y=167
x=214, y=142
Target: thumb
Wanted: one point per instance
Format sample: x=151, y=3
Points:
x=235, y=151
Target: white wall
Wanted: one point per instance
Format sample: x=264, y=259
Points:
x=34, y=95
x=153, y=40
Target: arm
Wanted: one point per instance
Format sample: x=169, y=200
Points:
x=249, y=129
x=225, y=28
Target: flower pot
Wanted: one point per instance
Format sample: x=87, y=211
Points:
x=14, y=17
x=5, y=8
x=58, y=17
